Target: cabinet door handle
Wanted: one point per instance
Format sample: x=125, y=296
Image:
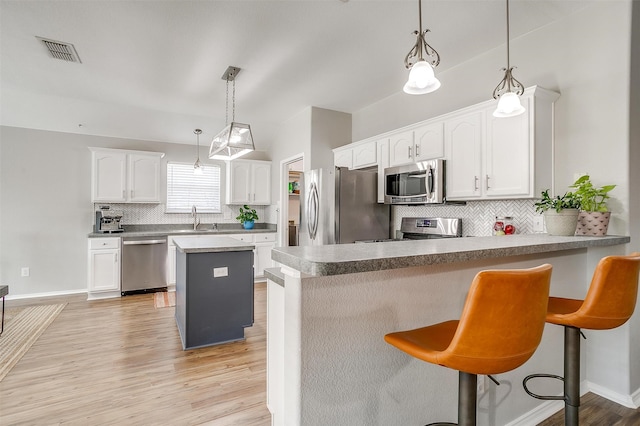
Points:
x=487, y=177
x=475, y=183
x=417, y=150
x=409, y=152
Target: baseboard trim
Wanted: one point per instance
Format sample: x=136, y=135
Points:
x=538, y=414
x=47, y=294
x=629, y=401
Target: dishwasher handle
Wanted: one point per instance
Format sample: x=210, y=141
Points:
x=143, y=242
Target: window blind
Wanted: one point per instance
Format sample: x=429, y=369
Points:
x=186, y=189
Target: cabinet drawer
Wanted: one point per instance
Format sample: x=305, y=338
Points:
x=261, y=238
x=104, y=243
x=247, y=238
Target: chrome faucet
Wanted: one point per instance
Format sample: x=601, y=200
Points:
x=196, y=221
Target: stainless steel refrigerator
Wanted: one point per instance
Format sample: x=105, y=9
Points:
x=340, y=206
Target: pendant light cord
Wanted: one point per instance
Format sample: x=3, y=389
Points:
x=508, y=59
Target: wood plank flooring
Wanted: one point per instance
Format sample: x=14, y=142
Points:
x=120, y=361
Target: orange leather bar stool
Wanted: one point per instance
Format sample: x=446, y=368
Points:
x=500, y=328
x=609, y=303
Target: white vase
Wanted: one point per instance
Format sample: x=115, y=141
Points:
x=561, y=223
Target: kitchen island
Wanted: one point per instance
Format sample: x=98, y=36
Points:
x=339, y=301
x=214, y=290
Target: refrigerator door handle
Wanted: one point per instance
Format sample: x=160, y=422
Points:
x=312, y=211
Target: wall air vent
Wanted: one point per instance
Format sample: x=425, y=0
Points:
x=61, y=50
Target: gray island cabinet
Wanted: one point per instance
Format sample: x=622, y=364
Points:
x=214, y=290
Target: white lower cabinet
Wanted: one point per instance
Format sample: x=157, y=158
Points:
x=263, y=242
x=104, y=268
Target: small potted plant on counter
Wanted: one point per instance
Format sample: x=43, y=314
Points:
x=560, y=213
x=247, y=216
x=594, y=214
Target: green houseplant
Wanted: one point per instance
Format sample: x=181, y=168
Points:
x=247, y=216
x=560, y=212
x=594, y=215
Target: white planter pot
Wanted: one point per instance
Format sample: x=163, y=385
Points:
x=561, y=223
x=594, y=224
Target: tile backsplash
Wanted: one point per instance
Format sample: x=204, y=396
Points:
x=477, y=216
x=150, y=214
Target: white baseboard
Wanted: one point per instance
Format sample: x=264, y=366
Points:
x=47, y=294
x=538, y=414
x=629, y=401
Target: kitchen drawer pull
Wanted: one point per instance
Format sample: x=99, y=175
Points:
x=142, y=242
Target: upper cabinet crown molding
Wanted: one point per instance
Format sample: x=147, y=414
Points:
x=125, y=176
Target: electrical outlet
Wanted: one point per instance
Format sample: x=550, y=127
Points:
x=25, y=271
x=538, y=224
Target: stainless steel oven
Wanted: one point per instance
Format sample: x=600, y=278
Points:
x=144, y=263
x=418, y=183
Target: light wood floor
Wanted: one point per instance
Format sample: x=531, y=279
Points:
x=120, y=361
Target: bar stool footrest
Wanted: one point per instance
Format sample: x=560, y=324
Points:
x=543, y=397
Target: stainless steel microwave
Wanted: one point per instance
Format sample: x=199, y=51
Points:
x=418, y=183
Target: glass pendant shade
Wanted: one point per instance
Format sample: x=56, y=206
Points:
x=234, y=141
x=508, y=105
x=421, y=79
x=197, y=167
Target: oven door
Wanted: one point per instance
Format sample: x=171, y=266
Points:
x=419, y=183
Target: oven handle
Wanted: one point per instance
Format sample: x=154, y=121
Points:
x=142, y=242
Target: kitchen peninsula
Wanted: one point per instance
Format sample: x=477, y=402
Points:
x=328, y=320
x=214, y=290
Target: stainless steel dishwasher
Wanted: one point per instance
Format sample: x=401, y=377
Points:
x=144, y=263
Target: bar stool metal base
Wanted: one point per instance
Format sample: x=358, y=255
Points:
x=467, y=400
x=571, y=378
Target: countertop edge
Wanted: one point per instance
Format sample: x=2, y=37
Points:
x=318, y=268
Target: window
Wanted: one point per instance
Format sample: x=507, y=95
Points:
x=186, y=189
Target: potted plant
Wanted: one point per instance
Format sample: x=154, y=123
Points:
x=560, y=212
x=594, y=215
x=247, y=216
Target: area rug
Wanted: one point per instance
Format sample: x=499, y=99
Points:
x=164, y=299
x=22, y=327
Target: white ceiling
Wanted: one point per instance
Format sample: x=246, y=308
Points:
x=152, y=70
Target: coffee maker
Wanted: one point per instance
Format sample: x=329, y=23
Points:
x=108, y=221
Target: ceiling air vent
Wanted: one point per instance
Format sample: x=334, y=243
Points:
x=61, y=50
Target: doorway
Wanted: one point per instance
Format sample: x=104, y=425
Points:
x=291, y=174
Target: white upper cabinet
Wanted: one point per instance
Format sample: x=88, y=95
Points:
x=429, y=142
x=425, y=142
x=401, y=148
x=343, y=158
x=501, y=158
x=144, y=178
x=248, y=182
x=122, y=176
x=383, y=163
x=463, y=137
x=508, y=155
x=365, y=155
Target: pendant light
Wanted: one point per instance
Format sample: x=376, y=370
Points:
x=197, y=167
x=509, y=89
x=421, y=76
x=235, y=140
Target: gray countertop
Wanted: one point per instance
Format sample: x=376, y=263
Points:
x=182, y=229
x=213, y=244
x=353, y=258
